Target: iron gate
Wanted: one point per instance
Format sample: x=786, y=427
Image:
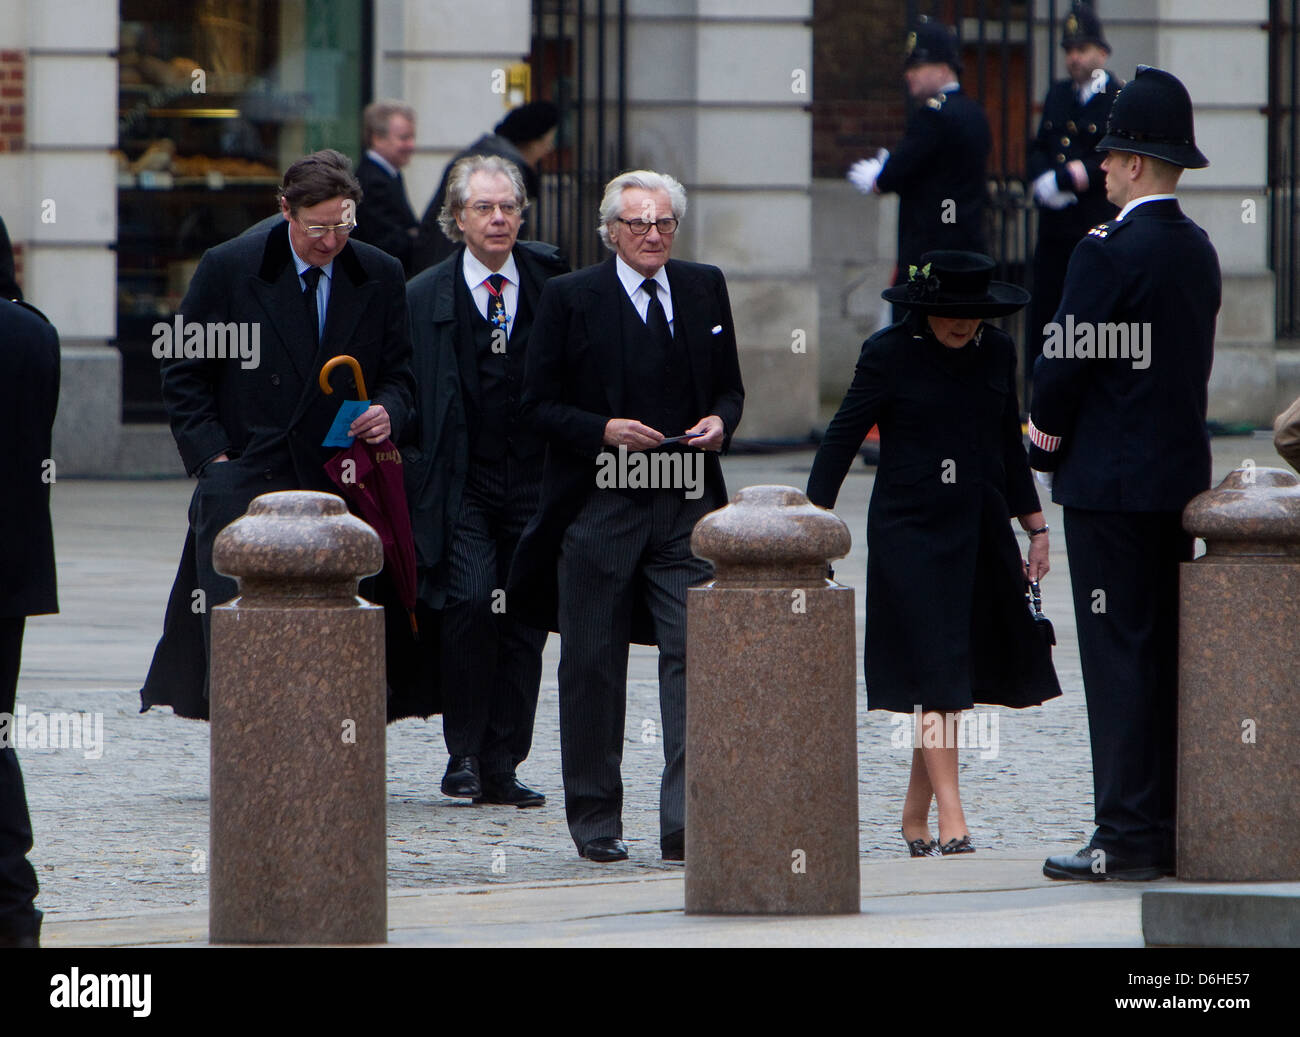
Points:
x=579, y=61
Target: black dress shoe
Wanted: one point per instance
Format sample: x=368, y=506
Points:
x=507, y=790
x=961, y=845
x=1092, y=864
x=605, y=850
x=673, y=846
x=461, y=779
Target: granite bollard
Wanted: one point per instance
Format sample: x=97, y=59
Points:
x=771, y=713
x=297, y=844
x=1238, y=709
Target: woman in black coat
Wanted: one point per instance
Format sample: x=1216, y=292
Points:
x=947, y=622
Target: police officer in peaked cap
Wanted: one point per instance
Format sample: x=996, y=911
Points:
x=1119, y=419
x=938, y=169
x=1064, y=165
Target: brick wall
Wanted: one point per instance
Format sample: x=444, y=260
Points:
x=13, y=81
x=858, y=90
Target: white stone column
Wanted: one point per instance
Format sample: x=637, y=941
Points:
x=442, y=57
x=61, y=204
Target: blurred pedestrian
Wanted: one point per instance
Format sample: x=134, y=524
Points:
x=384, y=215
x=29, y=367
x=947, y=622
x=1065, y=165
x=938, y=169
x=525, y=136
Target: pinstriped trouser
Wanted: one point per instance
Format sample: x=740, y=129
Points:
x=618, y=547
x=491, y=664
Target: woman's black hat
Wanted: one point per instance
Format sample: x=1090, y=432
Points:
x=528, y=122
x=931, y=44
x=956, y=284
x=1082, y=26
x=1152, y=115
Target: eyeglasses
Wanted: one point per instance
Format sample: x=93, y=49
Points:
x=318, y=231
x=486, y=209
x=642, y=227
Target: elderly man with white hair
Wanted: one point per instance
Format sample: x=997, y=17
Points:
x=634, y=381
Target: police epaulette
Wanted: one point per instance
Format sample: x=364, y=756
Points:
x=937, y=101
x=1103, y=230
x=29, y=306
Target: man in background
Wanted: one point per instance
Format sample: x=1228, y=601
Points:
x=385, y=218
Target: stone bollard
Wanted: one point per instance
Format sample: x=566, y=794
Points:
x=771, y=713
x=1238, y=711
x=298, y=851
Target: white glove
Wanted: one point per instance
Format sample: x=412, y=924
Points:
x=862, y=174
x=1049, y=195
x=1044, y=479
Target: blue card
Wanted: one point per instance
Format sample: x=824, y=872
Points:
x=348, y=413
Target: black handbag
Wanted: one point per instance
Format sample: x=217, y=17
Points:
x=1034, y=599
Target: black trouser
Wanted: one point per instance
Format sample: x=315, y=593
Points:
x=491, y=664
x=18, y=888
x=615, y=548
x=1124, y=575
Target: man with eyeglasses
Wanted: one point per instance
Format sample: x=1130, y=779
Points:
x=250, y=425
x=474, y=481
x=626, y=356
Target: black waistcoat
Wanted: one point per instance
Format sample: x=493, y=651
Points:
x=657, y=380
x=496, y=429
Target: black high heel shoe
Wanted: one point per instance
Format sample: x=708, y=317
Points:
x=919, y=847
x=961, y=845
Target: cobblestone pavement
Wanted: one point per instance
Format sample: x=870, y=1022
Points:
x=126, y=827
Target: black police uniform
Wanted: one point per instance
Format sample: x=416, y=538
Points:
x=1127, y=441
x=942, y=158
x=1068, y=132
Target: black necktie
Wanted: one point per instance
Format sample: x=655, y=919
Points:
x=312, y=276
x=656, y=320
x=497, y=315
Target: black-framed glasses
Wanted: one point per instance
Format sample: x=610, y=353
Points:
x=642, y=227
x=485, y=209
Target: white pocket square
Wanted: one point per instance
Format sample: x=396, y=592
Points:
x=716, y=330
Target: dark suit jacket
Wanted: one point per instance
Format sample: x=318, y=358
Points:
x=384, y=216
x=1132, y=438
x=432, y=245
x=272, y=418
x=1068, y=131
x=575, y=384
x=29, y=367
x=943, y=155
x=446, y=371
x=8, y=282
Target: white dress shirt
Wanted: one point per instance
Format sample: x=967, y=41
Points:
x=476, y=275
x=632, y=283
x=1145, y=198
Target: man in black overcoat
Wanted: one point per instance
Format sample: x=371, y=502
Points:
x=474, y=481
x=1065, y=166
x=255, y=422
x=384, y=216
x=29, y=366
x=623, y=355
x=939, y=167
x=1119, y=417
x=525, y=136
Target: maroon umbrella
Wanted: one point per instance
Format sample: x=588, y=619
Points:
x=370, y=477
